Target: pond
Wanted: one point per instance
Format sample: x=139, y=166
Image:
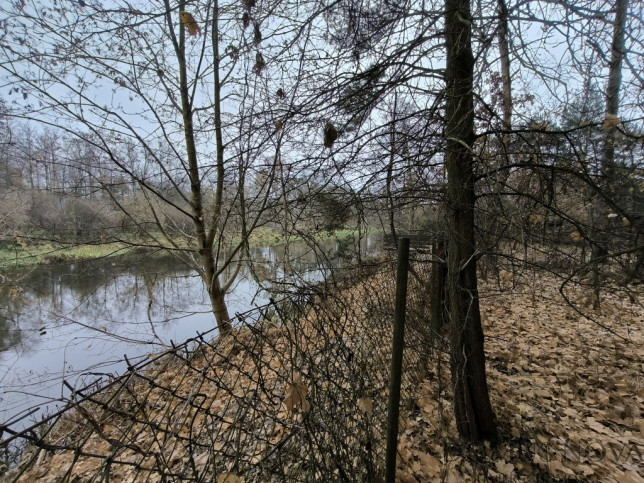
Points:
x=76, y=322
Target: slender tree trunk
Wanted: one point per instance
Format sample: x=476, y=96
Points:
x=506, y=79
x=473, y=412
x=219, y=306
x=390, y=171
x=618, y=49
x=205, y=240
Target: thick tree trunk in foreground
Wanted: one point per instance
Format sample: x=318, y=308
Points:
x=473, y=411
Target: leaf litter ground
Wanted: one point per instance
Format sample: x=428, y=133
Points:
x=568, y=393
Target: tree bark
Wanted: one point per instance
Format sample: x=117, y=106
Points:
x=618, y=49
x=506, y=78
x=473, y=411
x=205, y=240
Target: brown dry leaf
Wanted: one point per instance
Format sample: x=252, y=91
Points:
x=575, y=235
x=260, y=63
x=504, y=468
x=365, y=405
x=630, y=476
x=626, y=222
x=257, y=34
x=190, y=23
x=431, y=466
x=229, y=478
x=557, y=466
x=596, y=425
x=330, y=135
x=404, y=477
x=611, y=121
x=534, y=219
x=295, y=395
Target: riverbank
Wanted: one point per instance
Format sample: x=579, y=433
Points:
x=274, y=401
x=33, y=251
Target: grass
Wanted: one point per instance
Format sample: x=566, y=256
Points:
x=23, y=253
x=44, y=253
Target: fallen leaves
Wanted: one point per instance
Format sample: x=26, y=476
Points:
x=576, y=236
x=295, y=395
x=568, y=395
x=365, y=405
x=504, y=468
x=229, y=478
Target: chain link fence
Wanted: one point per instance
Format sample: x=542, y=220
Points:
x=299, y=395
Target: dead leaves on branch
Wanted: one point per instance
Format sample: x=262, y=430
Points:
x=611, y=121
x=260, y=63
x=189, y=23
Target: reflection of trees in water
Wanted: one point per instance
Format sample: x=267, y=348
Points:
x=9, y=337
x=104, y=294
x=283, y=268
x=117, y=295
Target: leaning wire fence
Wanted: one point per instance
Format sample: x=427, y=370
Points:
x=296, y=392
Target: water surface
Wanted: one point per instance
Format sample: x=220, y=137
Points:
x=75, y=322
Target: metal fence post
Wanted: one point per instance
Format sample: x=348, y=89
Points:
x=396, y=359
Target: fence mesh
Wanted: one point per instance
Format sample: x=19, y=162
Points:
x=299, y=395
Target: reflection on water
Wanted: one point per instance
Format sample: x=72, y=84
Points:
x=77, y=321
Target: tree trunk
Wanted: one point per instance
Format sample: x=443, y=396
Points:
x=220, y=308
x=600, y=234
x=215, y=292
x=438, y=296
x=618, y=50
x=506, y=78
x=204, y=238
x=473, y=411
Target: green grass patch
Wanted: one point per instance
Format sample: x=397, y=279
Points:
x=30, y=251
x=21, y=255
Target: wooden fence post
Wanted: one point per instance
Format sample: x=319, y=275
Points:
x=396, y=359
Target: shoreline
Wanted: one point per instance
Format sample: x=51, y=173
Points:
x=50, y=252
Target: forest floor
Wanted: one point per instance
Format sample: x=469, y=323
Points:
x=568, y=392
x=567, y=389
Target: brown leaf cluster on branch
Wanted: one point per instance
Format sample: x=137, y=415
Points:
x=189, y=23
x=611, y=121
x=260, y=64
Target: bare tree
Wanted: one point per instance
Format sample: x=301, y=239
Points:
x=127, y=81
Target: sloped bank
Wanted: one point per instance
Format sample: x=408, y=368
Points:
x=305, y=398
